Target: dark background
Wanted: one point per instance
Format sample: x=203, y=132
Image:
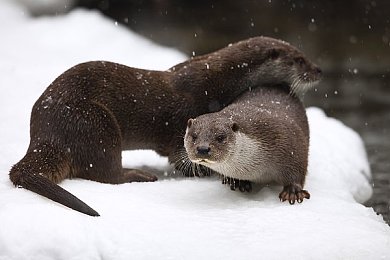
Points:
x=349, y=40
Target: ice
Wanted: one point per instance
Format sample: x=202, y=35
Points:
x=175, y=217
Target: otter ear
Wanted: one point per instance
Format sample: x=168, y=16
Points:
x=274, y=53
x=189, y=122
x=235, y=127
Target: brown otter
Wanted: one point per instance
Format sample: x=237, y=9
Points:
x=93, y=111
x=262, y=137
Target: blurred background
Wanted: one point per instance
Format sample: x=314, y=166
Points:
x=349, y=40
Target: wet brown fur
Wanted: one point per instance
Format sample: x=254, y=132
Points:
x=94, y=110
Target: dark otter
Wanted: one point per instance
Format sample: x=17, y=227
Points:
x=93, y=111
x=262, y=137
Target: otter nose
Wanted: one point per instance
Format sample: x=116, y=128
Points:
x=203, y=150
x=318, y=70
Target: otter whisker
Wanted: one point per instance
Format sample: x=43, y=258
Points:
x=185, y=165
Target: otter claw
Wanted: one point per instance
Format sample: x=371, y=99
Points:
x=293, y=193
x=242, y=185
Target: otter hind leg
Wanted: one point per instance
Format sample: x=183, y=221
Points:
x=292, y=193
x=98, y=154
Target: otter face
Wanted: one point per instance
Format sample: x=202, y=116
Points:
x=283, y=62
x=208, y=142
x=302, y=73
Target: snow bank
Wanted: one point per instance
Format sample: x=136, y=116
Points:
x=174, y=218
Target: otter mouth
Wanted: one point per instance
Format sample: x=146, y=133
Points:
x=204, y=161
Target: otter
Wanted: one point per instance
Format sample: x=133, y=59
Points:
x=262, y=137
x=94, y=110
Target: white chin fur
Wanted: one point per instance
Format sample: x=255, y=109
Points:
x=300, y=87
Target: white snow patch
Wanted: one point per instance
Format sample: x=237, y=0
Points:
x=174, y=218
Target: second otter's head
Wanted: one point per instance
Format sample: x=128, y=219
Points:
x=209, y=141
x=276, y=61
x=251, y=63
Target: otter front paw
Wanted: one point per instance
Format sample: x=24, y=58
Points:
x=243, y=186
x=293, y=193
x=135, y=175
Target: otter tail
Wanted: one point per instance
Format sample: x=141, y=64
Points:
x=37, y=175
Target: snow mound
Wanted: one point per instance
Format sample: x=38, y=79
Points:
x=176, y=217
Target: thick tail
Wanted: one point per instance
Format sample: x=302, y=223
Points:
x=25, y=174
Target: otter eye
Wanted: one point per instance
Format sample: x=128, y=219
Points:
x=194, y=136
x=299, y=61
x=274, y=54
x=220, y=138
x=235, y=127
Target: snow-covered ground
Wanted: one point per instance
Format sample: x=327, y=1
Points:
x=174, y=218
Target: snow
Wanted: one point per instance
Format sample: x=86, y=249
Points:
x=176, y=217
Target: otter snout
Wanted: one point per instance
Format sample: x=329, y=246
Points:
x=318, y=70
x=203, y=150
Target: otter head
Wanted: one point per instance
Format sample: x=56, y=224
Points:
x=275, y=61
x=208, y=141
